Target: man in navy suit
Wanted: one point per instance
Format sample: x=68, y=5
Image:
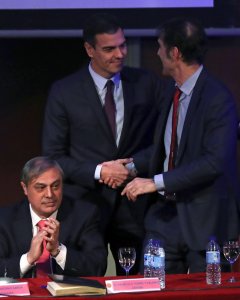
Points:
x=77, y=133
x=72, y=236
x=198, y=198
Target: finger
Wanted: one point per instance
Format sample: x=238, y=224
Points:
x=111, y=183
x=123, y=192
x=124, y=160
x=106, y=180
x=114, y=185
x=132, y=197
x=53, y=223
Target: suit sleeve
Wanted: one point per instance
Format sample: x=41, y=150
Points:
x=9, y=253
x=142, y=160
x=86, y=251
x=143, y=157
x=209, y=155
x=9, y=265
x=56, y=140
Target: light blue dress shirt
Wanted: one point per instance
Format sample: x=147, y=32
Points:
x=100, y=84
x=187, y=91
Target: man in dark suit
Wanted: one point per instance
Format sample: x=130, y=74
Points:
x=198, y=197
x=77, y=133
x=71, y=235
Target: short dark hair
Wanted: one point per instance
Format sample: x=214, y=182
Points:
x=187, y=35
x=36, y=166
x=98, y=24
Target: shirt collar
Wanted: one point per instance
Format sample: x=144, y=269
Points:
x=100, y=81
x=189, y=84
x=36, y=218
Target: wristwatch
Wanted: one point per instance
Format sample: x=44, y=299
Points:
x=57, y=251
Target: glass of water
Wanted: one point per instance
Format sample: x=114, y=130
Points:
x=231, y=253
x=127, y=258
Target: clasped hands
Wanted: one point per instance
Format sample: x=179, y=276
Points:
x=115, y=173
x=50, y=234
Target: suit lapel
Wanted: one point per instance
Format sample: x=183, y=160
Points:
x=64, y=211
x=92, y=99
x=191, y=115
x=159, y=152
x=128, y=96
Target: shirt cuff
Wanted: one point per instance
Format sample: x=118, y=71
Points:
x=158, y=180
x=131, y=168
x=97, y=174
x=61, y=257
x=24, y=265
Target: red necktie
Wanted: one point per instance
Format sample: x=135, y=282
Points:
x=43, y=264
x=173, y=144
x=109, y=107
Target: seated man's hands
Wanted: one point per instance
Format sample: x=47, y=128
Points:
x=50, y=234
x=36, y=247
x=114, y=173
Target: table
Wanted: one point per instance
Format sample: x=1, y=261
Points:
x=179, y=286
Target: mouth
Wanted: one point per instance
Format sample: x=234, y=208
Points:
x=118, y=62
x=49, y=203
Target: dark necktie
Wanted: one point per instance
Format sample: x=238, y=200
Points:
x=109, y=107
x=173, y=145
x=43, y=264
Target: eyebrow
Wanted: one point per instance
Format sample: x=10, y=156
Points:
x=44, y=184
x=124, y=43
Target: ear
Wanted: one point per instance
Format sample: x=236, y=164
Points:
x=175, y=53
x=89, y=49
x=24, y=187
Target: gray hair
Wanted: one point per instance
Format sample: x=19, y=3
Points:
x=36, y=166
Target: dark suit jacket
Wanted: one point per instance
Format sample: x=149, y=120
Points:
x=205, y=177
x=79, y=232
x=76, y=132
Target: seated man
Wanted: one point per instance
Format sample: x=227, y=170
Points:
x=70, y=237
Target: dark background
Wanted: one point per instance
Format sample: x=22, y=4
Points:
x=28, y=66
x=225, y=13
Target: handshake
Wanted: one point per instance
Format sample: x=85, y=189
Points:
x=122, y=173
x=117, y=173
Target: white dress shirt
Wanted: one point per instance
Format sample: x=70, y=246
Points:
x=60, y=258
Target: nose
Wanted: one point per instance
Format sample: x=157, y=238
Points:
x=119, y=52
x=48, y=193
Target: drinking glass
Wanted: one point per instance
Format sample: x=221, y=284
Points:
x=231, y=253
x=127, y=258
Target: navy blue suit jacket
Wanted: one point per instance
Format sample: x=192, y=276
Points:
x=76, y=132
x=79, y=232
x=205, y=178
